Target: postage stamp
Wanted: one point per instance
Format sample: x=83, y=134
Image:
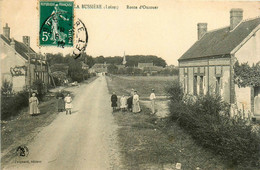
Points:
x=56, y=23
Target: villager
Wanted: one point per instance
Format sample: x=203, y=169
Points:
x=60, y=101
x=114, y=101
x=152, y=98
x=33, y=104
x=130, y=103
x=136, y=105
x=68, y=104
x=132, y=92
x=123, y=102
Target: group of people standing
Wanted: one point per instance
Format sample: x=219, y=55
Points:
x=131, y=103
x=64, y=103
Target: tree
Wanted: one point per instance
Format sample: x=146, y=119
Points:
x=112, y=69
x=87, y=59
x=100, y=59
x=38, y=85
x=132, y=60
x=246, y=75
x=54, y=58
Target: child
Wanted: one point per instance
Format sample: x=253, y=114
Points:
x=123, y=102
x=68, y=104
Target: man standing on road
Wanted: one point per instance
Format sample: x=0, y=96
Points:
x=152, y=98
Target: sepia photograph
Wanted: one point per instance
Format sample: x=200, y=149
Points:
x=130, y=84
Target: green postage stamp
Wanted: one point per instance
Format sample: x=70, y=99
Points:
x=56, y=23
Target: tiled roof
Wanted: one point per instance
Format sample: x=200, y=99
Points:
x=20, y=47
x=220, y=42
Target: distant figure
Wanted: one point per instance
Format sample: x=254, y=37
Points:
x=136, y=105
x=152, y=98
x=68, y=104
x=60, y=101
x=33, y=103
x=132, y=92
x=130, y=103
x=114, y=101
x=123, y=102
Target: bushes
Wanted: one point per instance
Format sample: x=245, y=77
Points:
x=206, y=119
x=11, y=105
x=7, y=87
x=38, y=85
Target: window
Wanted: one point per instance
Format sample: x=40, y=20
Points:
x=201, y=86
x=218, y=85
x=195, y=84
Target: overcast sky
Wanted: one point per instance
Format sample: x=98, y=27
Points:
x=166, y=32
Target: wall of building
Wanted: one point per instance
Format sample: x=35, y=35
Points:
x=208, y=69
x=250, y=53
x=9, y=59
x=243, y=100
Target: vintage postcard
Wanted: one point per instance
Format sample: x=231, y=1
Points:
x=130, y=84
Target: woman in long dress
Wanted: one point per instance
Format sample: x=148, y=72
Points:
x=68, y=104
x=114, y=101
x=60, y=101
x=152, y=98
x=136, y=105
x=33, y=104
x=123, y=102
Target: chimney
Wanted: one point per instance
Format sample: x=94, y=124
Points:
x=236, y=16
x=12, y=43
x=26, y=40
x=6, y=31
x=202, y=29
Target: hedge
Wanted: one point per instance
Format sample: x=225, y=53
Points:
x=11, y=105
x=206, y=119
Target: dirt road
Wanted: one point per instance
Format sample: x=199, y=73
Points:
x=86, y=139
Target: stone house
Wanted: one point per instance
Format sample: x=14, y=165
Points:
x=15, y=63
x=208, y=65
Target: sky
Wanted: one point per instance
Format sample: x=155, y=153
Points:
x=166, y=32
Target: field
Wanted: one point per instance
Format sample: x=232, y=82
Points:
x=143, y=84
x=149, y=142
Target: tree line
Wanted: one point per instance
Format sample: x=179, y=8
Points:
x=132, y=60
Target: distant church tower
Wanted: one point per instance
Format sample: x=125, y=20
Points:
x=124, y=59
